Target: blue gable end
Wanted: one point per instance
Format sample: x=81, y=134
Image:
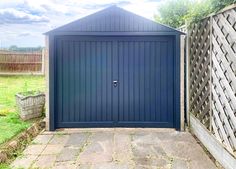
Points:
x=114, y=19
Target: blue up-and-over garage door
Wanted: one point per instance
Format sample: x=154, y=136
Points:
x=114, y=69
x=114, y=81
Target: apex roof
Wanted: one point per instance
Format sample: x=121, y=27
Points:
x=114, y=19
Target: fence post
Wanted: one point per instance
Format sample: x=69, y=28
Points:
x=43, y=61
x=182, y=78
x=210, y=100
x=188, y=74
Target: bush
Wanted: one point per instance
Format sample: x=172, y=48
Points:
x=172, y=12
x=198, y=11
x=177, y=12
x=219, y=4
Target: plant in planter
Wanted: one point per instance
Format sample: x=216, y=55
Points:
x=30, y=104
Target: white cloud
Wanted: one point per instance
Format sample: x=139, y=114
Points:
x=23, y=22
x=25, y=34
x=143, y=8
x=13, y=16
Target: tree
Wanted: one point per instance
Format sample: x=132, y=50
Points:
x=176, y=13
x=13, y=47
x=202, y=8
x=172, y=12
x=198, y=10
x=25, y=49
x=219, y=4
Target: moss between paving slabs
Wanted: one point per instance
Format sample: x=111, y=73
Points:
x=11, y=125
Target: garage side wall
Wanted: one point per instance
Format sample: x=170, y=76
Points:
x=47, y=80
x=49, y=76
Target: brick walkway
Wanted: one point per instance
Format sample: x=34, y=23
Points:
x=114, y=149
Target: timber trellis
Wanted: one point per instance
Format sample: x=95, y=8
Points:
x=17, y=63
x=212, y=75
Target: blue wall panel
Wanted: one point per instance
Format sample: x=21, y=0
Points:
x=114, y=19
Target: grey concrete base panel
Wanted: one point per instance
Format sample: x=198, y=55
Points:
x=212, y=145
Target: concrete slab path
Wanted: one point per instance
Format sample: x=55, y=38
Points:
x=114, y=148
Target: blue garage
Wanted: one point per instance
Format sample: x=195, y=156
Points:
x=114, y=69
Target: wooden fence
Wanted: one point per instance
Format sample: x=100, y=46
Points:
x=212, y=75
x=12, y=63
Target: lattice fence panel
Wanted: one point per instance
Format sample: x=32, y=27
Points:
x=199, y=69
x=224, y=78
x=212, y=71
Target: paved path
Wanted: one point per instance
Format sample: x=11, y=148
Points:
x=114, y=149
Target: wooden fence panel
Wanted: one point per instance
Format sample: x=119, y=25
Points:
x=224, y=78
x=199, y=69
x=21, y=62
x=212, y=71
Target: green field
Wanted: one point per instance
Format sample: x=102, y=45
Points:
x=10, y=122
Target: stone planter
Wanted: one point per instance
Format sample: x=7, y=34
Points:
x=30, y=106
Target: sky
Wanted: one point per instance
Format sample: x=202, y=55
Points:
x=23, y=22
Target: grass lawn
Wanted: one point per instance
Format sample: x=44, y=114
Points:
x=10, y=123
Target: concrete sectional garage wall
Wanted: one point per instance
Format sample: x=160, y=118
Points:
x=114, y=69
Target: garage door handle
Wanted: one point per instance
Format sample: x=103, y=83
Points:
x=115, y=83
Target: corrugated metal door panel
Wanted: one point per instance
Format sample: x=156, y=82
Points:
x=87, y=67
x=77, y=84
x=84, y=76
x=164, y=81
x=145, y=82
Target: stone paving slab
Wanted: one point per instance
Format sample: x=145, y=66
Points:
x=44, y=161
x=110, y=166
x=24, y=161
x=99, y=148
x=52, y=149
x=65, y=165
x=68, y=154
x=34, y=149
x=59, y=139
x=180, y=164
x=114, y=148
x=122, y=152
x=77, y=139
x=42, y=139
